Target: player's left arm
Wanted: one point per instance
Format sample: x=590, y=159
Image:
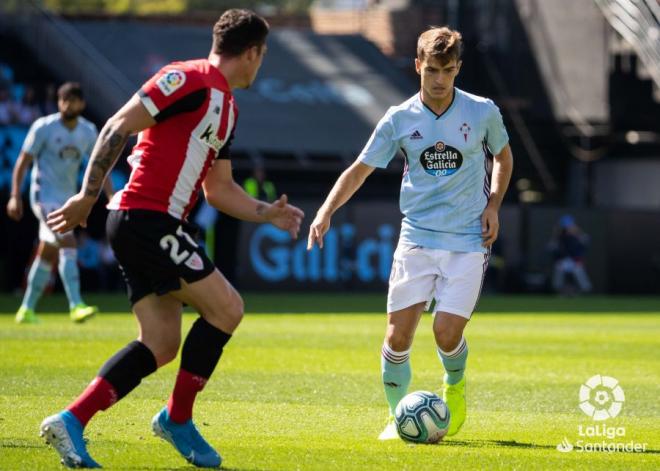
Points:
x=500, y=178
x=224, y=194
x=132, y=118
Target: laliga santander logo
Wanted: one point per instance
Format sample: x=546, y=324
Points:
x=175, y=79
x=601, y=397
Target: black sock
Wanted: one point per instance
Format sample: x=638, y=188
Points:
x=128, y=366
x=203, y=348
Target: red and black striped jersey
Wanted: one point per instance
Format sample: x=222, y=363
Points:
x=195, y=117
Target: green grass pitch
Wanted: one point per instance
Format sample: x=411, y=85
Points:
x=299, y=386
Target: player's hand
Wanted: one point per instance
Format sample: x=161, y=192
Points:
x=490, y=226
x=74, y=212
x=285, y=216
x=319, y=227
x=15, y=208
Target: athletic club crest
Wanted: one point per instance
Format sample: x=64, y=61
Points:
x=465, y=130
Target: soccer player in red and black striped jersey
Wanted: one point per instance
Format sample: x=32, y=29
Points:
x=185, y=116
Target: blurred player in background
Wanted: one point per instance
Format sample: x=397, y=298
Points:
x=569, y=247
x=186, y=118
x=56, y=145
x=450, y=208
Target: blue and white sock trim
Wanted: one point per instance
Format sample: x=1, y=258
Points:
x=460, y=348
x=395, y=357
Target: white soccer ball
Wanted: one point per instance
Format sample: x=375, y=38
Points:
x=422, y=417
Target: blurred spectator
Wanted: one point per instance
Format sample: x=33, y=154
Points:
x=257, y=186
x=6, y=75
x=6, y=108
x=110, y=277
x=569, y=247
x=49, y=105
x=89, y=260
x=27, y=110
x=495, y=278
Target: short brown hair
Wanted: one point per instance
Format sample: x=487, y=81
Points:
x=70, y=90
x=441, y=43
x=238, y=30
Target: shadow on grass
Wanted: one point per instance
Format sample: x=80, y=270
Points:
x=369, y=302
x=19, y=443
x=513, y=444
x=183, y=467
x=496, y=443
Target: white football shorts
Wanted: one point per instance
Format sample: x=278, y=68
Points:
x=41, y=211
x=453, y=279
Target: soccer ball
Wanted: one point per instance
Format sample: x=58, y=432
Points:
x=422, y=417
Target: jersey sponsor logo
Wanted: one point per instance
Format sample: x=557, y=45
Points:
x=171, y=82
x=209, y=138
x=465, y=130
x=441, y=160
x=416, y=135
x=69, y=152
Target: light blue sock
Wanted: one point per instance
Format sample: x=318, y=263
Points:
x=68, y=268
x=396, y=371
x=454, y=362
x=37, y=280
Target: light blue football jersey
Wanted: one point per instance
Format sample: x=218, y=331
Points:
x=58, y=153
x=446, y=181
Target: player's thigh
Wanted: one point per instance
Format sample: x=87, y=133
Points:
x=412, y=279
x=159, y=322
x=401, y=326
x=457, y=292
x=216, y=300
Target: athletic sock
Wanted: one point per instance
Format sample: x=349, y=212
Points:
x=117, y=377
x=396, y=373
x=200, y=355
x=37, y=280
x=68, y=268
x=454, y=362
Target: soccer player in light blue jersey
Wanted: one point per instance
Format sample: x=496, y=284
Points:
x=458, y=166
x=56, y=146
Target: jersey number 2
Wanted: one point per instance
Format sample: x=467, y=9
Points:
x=172, y=243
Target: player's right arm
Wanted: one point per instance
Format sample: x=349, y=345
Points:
x=15, y=203
x=345, y=187
x=132, y=118
x=378, y=152
x=32, y=146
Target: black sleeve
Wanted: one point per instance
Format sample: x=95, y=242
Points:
x=223, y=153
x=190, y=102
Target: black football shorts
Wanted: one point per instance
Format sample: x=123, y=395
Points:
x=155, y=251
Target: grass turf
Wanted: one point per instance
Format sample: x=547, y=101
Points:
x=302, y=391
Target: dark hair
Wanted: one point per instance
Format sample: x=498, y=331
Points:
x=238, y=30
x=70, y=90
x=442, y=43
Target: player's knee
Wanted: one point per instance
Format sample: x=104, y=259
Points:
x=49, y=254
x=447, y=338
x=227, y=316
x=164, y=349
x=166, y=354
x=399, y=341
x=236, y=309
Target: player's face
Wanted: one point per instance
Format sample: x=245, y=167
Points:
x=70, y=107
x=437, y=78
x=254, y=58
